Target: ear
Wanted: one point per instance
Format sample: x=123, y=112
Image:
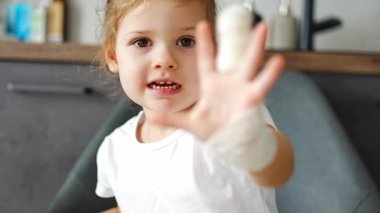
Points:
x=112, y=62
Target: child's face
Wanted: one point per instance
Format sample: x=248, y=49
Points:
x=155, y=54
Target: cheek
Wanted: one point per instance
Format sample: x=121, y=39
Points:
x=131, y=77
x=126, y=84
x=130, y=67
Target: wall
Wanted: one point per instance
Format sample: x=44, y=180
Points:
x=360, y=31
x=85, y=18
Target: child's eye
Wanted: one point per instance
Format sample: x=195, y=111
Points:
x=143, y=42
x=186, y=42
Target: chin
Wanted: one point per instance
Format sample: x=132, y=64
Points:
x=168, y=106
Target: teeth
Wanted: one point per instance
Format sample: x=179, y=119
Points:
x=165, y=85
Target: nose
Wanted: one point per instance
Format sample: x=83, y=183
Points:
x=164, y=59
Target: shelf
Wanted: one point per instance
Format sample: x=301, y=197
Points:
x=330, y=62
x=353, y=63
x=64, y=53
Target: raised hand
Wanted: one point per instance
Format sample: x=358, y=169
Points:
x=224, y=97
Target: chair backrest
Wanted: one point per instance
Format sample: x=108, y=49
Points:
x=329, y=176
x=77, y=194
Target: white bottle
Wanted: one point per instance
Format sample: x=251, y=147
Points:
x=38, y=22
x=284, y=30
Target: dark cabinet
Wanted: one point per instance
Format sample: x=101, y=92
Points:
x=47, y=116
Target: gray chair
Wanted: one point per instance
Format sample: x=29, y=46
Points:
x=77, y=194
x=329, y=176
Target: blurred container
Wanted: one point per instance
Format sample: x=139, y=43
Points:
x=39, y=21
x=56, y=21
x=18, y=16
x=22, y=24
x=2, y=18
x=10, y=17
x=284, y=32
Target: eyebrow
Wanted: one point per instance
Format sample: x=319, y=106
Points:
x=188, y=28
x=148, y=31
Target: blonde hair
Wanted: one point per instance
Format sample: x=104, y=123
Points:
x=117, y=9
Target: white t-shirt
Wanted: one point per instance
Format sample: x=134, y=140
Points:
x=174, y=175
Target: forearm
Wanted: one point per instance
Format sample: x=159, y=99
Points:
x=280, y=169
x=250, y=144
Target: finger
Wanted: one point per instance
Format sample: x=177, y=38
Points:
x=205, y=48
x=253, y=57
x=267, y=78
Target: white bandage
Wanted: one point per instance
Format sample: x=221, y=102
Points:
x=233, y=33
x=247, y=143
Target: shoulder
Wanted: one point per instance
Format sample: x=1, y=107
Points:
x=124, y=131
x=121, y=134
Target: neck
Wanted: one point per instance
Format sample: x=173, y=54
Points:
x=148, y=131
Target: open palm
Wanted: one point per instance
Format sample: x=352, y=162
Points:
x=224, y=97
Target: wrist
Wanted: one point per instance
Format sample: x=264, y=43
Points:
x=280, y=169
x=248, y=143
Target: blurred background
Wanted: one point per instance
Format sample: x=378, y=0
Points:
x=358, y=31
x=53, y=96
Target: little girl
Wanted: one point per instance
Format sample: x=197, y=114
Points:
x=164, y=54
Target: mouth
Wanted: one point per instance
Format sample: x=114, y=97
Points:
x=164, y=85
